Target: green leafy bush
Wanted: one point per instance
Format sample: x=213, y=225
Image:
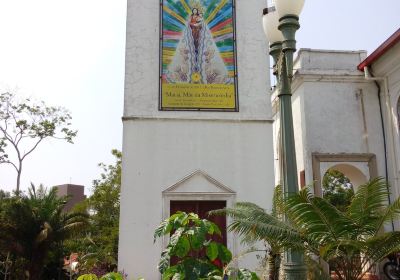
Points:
x=198, y=255
x=88, y=277
x=33, y=229
x=108, y=276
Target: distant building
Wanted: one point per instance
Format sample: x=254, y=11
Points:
x=76, y=193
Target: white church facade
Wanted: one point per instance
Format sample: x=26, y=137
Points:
x=200, y=122
x=191, y=157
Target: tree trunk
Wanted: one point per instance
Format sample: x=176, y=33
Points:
x=273, y=266
x=35, y=267
x=19, y=171
x=6, y=272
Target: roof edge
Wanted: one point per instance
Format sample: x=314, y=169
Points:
x=381, y=50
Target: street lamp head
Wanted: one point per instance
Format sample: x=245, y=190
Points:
x=289, y=7
x=270, y=25
x=280, y=27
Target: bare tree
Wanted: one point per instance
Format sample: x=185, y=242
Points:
x=24, y=124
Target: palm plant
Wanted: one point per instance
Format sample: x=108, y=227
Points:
x=33, y=225
x=274, y=248
x=353, y=241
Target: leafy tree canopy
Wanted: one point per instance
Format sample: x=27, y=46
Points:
x=99, y=245
x=337, y=189
x=24, y=124
x=33, y=226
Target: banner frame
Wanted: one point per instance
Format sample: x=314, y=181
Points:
x=235, y=84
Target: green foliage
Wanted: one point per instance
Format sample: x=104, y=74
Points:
x=245, y=274
x=189, y=236
x=112, y=276
x=33, y=225
x=88, y=277
x=4, y=195
x=98, y=246
x=108, y=276
x=337, y=189
x=319, y=228
x=274, y=248
x=315, y=270
x=188, y=229
x=24, y=124
x=104, y=204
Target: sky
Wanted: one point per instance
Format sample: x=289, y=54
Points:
x=70, y=53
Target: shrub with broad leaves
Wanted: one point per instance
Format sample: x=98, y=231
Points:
x=194, y=251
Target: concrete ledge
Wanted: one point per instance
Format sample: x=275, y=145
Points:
x=151, y=118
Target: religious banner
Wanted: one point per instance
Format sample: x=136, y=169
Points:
x=198, y=55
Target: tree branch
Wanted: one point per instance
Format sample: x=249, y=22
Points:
x=9, y=162
x=6, y=135
x=5, y=124
x=15, y=121
x=20, y=135
x=9, y=138
x=58, y=138
x=33, y=148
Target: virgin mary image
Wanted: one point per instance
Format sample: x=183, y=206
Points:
x=196, y=24
x=197, y=59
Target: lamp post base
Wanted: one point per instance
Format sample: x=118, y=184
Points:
x=294, y=272
x=293, y=265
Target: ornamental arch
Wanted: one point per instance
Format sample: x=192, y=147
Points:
x=359, y=168
x=352, y=172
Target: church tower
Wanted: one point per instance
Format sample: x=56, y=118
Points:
x=197, y=125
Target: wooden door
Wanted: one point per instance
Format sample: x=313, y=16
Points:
x=202, y=208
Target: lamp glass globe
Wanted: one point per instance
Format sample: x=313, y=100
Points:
x=289, y=7
x=270, y=25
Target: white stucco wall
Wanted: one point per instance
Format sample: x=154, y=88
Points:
x=335, y=109
x=298, y=130
x=335, y=120
x=160, y=148
x=299, y=126
x=158, y=153
x=387, y=67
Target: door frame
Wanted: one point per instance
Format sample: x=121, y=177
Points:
x=229, y=198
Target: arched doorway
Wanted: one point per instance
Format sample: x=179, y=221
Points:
x=339, y=183
x=359, y=168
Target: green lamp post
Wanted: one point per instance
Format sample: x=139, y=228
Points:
x=280, y=23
